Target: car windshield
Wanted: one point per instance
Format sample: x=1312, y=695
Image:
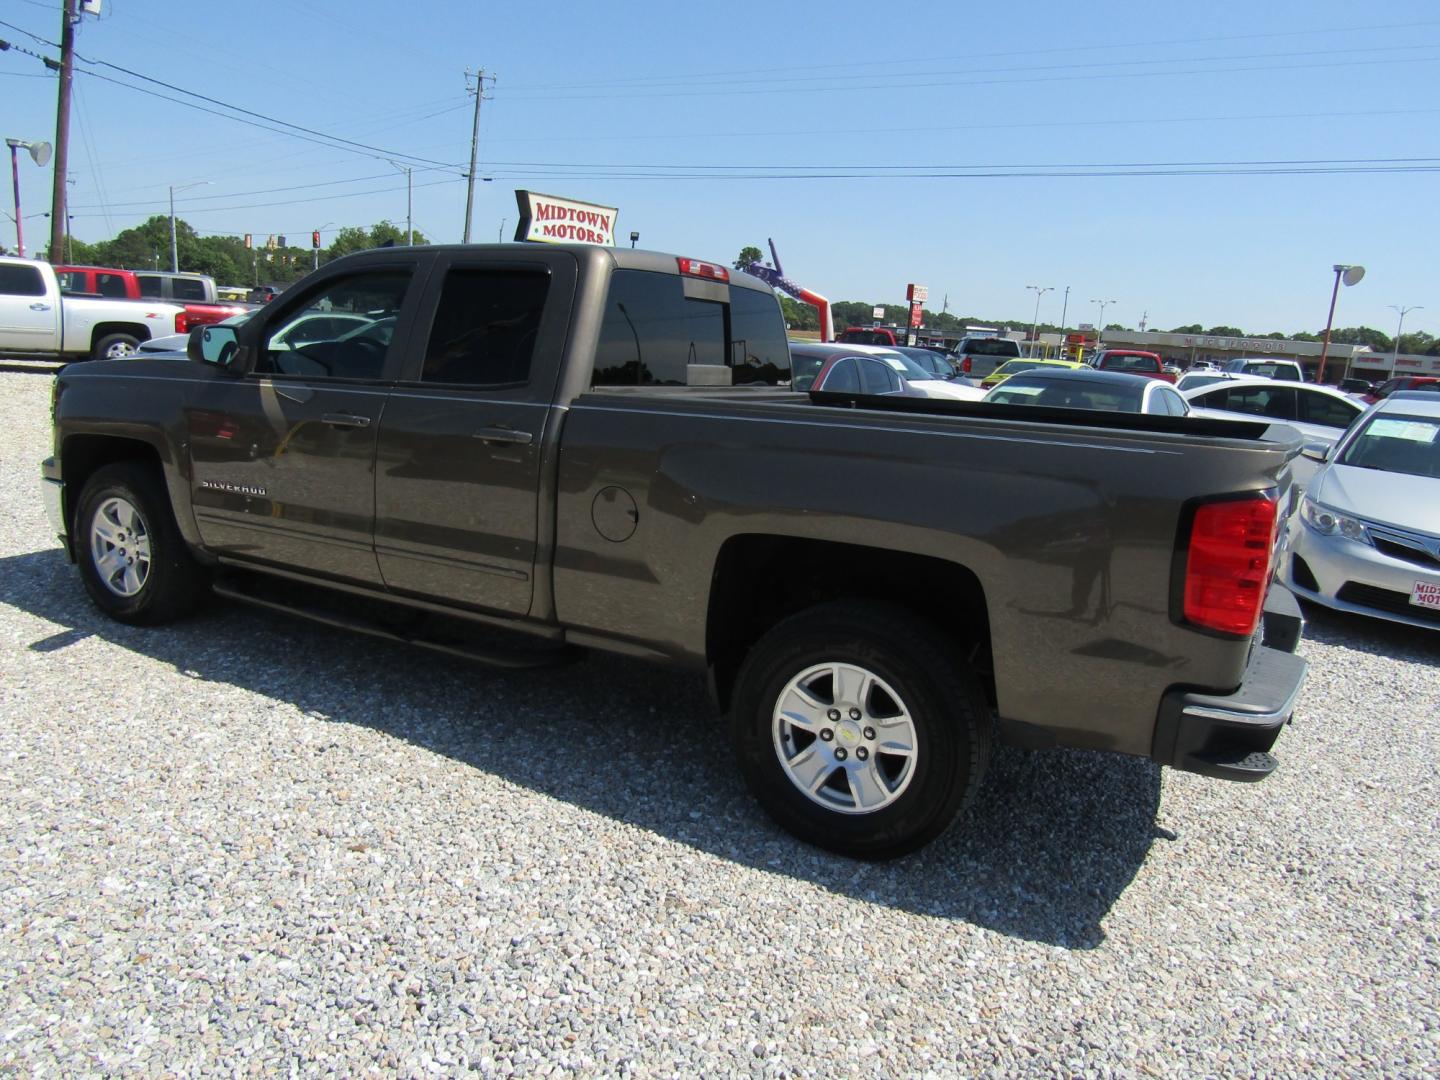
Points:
x=805, y=368
x=1398, y=444
x=1012, y=367
x=1066, y=394
x=1129, y=362
x=1193, y=382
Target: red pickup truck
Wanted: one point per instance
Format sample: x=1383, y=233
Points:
x=1132, y=362
x=194, y=292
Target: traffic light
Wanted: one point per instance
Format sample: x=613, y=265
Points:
x=315, y=239
x=248, y=244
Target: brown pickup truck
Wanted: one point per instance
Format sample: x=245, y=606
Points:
x=599, y=448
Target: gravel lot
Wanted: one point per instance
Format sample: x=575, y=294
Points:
x=247, y=844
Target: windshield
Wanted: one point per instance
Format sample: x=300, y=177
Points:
x=1011, y=367
x=1066, y=394
x=1398, y=444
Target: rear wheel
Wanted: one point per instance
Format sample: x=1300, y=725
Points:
x=115, y=347
x=859, y=728
x=132, y=557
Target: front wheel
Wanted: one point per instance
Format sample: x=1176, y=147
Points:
x=859, y=728
x=132, y=557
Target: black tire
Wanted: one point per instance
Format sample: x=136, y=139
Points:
x=915, y=667
x=115, y=346
x=134, y=562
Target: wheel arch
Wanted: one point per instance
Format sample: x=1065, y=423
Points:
x=81, y=456
x=760, y=579
x=100, y=330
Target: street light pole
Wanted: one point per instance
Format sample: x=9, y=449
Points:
x=1350, y=275
x=316, y=250
x=1100, y=323
x=1395, y=353
x=174, y=251
x=1035, y=324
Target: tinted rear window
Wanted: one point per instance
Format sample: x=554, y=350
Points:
x=21, y=281
x=990, y=347
x=485, y=327
x=654, y=335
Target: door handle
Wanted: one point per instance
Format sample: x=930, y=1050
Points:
x=39, y=307
x=504, y=436
x=345, y=420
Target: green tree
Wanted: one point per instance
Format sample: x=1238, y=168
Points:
x=1362, y=335
x=1225, y=331
x=747, y=257
x=1193, y=328
x=799, y=316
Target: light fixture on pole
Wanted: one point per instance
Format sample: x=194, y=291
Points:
x=1395, y=353
x=1100, y=322
x=1040, y=290
x=174, y=251
x=1350, y=275
x=40, y=154
x=634, y=238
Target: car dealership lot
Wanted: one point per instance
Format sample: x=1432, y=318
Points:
x=246, y=842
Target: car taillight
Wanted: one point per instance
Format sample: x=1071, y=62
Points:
x=182, y=323
x=696, y=268
x=1227, y=564
x=965, y=365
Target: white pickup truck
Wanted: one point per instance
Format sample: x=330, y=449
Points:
x=36, y=321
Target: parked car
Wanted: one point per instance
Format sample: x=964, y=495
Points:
x=1320, y=413
x=1266, y=367
x=36, y=318
x=932, y=360
x=1403, y=382
x=1014, y=367
x=550, y=440
x=1355, y=386
x=305, y=330
x=197, y=292
x=869, y=370
x=979, y=355
x=870, y=335
x=1132, y=362
x=263, y=294
x=1193, y=380
x=1086, y=388
x=1366, y=538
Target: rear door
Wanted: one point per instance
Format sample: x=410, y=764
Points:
x=458, y=459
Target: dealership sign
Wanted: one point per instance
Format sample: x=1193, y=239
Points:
x=553, y=220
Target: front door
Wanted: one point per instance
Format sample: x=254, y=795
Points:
x=458, y=460
x=29, y=319
x=284, y=458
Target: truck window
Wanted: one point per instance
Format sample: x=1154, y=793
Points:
x=110, y=285
x=356, y=348
x=21, y=281
x=653, y=335
x=187, y=289
x=150, y=285
x=485, y=327
x=759, y=352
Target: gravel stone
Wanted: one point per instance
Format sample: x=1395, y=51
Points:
x=247, y=845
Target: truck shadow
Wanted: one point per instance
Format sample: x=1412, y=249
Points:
x=1043, y=854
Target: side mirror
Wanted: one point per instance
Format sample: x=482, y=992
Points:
x=1317, y=451
x=215, y=345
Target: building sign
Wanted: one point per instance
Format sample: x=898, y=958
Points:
x=917, y=294
x=878, y=312
x=915, y=313
x=554, y=220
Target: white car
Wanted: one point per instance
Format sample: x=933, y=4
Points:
x=1320, y=413
x=870, y=369
x=1366, y=538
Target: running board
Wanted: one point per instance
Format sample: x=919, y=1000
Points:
x=449, y=635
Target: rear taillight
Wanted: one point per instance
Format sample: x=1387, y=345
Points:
x=696, y=268
x=965, y=365
x=182, y=323
x=1227, y=564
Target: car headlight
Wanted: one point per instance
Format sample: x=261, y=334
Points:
x=1328, y=522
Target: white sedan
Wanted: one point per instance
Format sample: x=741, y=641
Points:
x=1320, y=414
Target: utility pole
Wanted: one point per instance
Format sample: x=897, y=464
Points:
x=409, y=202
x=474, y=150
x=62, y=128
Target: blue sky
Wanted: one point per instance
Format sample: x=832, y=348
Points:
x=706, y=124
